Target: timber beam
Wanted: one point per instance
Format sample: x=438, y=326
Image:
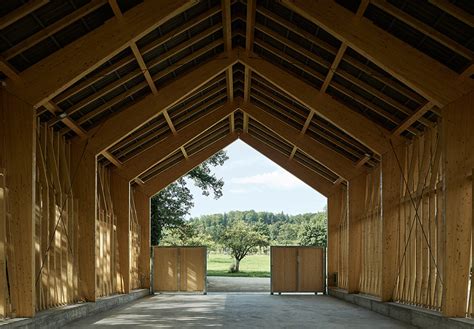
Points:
x=148, y=158
x=63, y=68
x=329, y=158
x=313, y=179
x=163, y=179
x=420, y=72
x=354, y=124
x=135, y=116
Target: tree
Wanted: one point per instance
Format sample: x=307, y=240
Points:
x=186, y=235
x=170, y=206
x=242, y=238
x=314, y=233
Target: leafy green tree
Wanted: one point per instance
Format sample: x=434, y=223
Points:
x=241, y=239
x=170, y=206
x=314, y=232
x=186, y=235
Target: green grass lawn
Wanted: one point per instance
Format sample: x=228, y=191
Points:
x=250, y=266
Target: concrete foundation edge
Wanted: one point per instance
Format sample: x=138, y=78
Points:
x=415, y=316
x=59, y=317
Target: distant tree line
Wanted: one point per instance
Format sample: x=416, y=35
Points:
x=273, y=228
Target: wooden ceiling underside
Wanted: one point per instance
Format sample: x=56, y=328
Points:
x=156, y=86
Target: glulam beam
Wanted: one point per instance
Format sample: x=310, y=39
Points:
x=63, y=68
x=148, y=158
x=135, y=116
x=354, y=124
x=318, y=151
x=168, y=176
x=425, y=75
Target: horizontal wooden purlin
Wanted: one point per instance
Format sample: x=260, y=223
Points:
x=454, y=11
x=138, y=137
x=8, y=70
x=50, y=30
x=359, y=83
x=130, y=58
x=160, y=181
x=133, y=117
x=354, y=124
x=420, y=72
x=327, y=129
x=393, y=84
x=69, y=64
x=313, y=179
x=320, y=152
x=423, y=28
x=146, y=159
x=21, y=12
x=413, y=118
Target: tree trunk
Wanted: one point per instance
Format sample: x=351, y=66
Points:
x=237, y=265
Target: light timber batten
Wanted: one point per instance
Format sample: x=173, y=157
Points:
x=145, y=160
x=326, y=156
x=347, y=120
x=138, y=114
x=418, y=71
x=135, y=24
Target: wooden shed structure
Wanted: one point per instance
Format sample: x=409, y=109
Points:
x=104, y=103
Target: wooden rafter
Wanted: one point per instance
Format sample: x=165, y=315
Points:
x=64, y=67
x=454, y=11
x=112, y=159
x=227, y=32
x=21, y=12
x=363, y=161
x=9, y=70
x=143, y=161
x=53, y=28
x=64, y=118
x=413, y=118
x=325, y=106
x=420, y=72
x=423, y=28
x=133, y=117
x=168, y=176
x=318, y=151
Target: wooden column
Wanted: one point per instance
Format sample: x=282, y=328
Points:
x=120, y=192
x=391, y=196
x=458, y=135
x=18, y=158
x=335, y=213
x=142, y=205
x=357, y=187
x=84, y=184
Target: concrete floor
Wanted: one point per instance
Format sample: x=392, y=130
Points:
x=239, y=310
x=237, y=284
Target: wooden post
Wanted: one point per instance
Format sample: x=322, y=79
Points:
x=142, y=205
x=356, y=211
x=120, y=192
x=84, y=184
x=458, y=138
x=391, y=196
x=18, y=157
x=335, y=209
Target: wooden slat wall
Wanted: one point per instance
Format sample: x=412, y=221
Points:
x=420, y=270
x=135, y=245
x=343, y=237
x=470, y=307
x=371, y=242
x=56, y=223
x=108, y=279
x=6, y=248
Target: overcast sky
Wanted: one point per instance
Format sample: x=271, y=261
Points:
x=252, y=181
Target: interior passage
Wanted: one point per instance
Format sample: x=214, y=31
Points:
x=237, y=310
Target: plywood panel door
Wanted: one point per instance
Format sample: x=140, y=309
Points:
x=284, y=269
x=165, y=269
x=192, y=269
x=310, y=269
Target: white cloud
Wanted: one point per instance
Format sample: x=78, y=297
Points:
x=279, y=179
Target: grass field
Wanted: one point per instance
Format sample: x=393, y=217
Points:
x=250, y=266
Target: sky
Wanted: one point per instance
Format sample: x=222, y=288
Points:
x=252, y=181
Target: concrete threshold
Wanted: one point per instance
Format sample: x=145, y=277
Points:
x=416, y=316
x=61, y=316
